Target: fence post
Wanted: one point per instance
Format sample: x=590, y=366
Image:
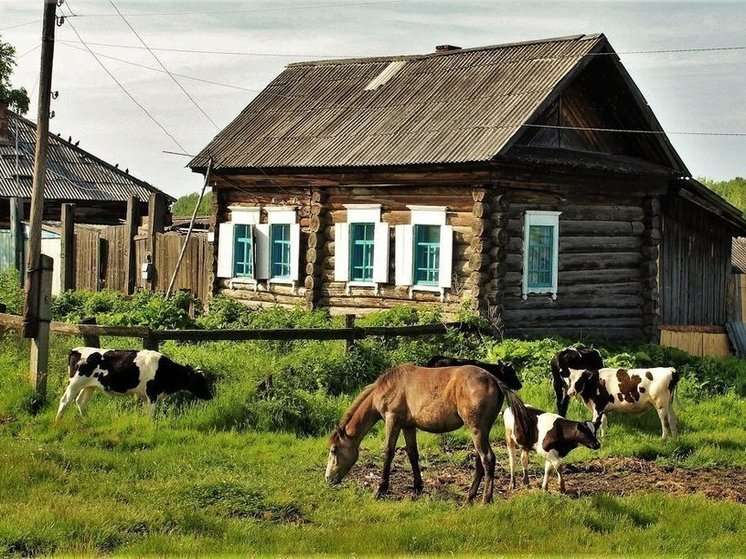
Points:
x=91, y=340
x=150, y=342
x=39, y=362
x=67, y=255
x=16, y=235
x=349, y=323
x=156, y=209
x=130, y=229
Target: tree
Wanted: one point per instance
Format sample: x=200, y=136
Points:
x=17, y=98
x=184, y=206
x=733, y=190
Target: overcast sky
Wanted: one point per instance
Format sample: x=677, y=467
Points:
x=689, y=91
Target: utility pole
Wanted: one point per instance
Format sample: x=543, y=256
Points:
x=33, y=261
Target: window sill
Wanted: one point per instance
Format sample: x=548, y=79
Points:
x=243, y=281
x=429, y=289
x=552, y=292
x=283, y=281
x=372, y=284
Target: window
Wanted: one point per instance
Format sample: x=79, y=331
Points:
x=249, y=251
x=361, y=247
x=361, y=251
x=424, y=250
x=280, y=241
x=540, y=252
x=426, y=254
x=243, y=251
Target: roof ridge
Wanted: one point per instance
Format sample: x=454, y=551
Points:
x=392, y=58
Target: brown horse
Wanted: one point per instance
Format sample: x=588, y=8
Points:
x=437, y=400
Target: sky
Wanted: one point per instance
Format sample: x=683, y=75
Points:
x=702, y=91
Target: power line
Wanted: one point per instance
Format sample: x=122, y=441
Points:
x=132, y=98
x=71, y=45
x=19, y=25
x=310, y=55
x=254, y=10
x=29, y=51
x=158, y=60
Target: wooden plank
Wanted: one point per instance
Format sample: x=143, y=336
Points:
x=716, y=344
x=67, y=250
x=709, y=329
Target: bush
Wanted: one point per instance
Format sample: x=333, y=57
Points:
x=11, y=291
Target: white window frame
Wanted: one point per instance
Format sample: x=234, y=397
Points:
x=240, y=215
x=405, y=250
x=362, y=213
x=283, y=215
x=545, y=218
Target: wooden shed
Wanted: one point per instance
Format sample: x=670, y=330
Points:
x=529, y=180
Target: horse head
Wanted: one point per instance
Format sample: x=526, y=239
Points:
x=343, y=453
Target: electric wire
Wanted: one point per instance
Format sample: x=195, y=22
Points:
x=158, y=60
x=124, y=89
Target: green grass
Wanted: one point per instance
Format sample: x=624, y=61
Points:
x=203, y=479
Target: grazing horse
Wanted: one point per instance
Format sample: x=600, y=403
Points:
x=439, y=400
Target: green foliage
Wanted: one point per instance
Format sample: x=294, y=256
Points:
x=11, y=292
x=112, y=308
x=184, y=206
x=733, y=190
x=18, y=98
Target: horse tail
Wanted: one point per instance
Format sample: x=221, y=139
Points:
x=525, y=425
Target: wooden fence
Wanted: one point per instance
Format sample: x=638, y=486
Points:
x=697, y=340
x=151, y=339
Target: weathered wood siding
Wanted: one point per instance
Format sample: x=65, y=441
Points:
x=695, y=262
x=600, y=287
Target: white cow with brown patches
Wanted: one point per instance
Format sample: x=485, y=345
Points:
x=628, y=391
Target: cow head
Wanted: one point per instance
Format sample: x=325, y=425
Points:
x=509, y=376
x=198, y=384
x=582, y=382
x=587, y=433
x=343, y=453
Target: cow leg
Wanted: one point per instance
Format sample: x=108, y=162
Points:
x=82, y=400
x=563, y=400
x=672, y=421
x=392, y=435
x=524, y=465
x=663, y=416
x=410, y=439
x=71, y=393
x=545, y=482
x=511, y=458
x=558, y=468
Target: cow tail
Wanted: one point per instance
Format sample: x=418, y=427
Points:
x=673, y=388
x=525, y=426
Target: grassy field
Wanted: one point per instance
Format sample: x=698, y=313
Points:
x=208, y=479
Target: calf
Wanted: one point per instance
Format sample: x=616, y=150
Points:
x=552, y=437
x=147, y=374
x=628, y=391
x=504, y=372
x=579, y=357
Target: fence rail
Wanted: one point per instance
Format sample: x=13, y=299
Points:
x=152, y=338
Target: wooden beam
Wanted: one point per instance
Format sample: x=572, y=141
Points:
x=67, y=247
x=130, y=228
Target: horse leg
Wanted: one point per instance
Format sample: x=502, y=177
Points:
x=392, y=435
x=487, y=457
x=478, y=475
x=410, y=438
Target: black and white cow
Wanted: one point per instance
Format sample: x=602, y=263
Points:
x=579, y=357
x=628, y=391
x=149, y=375
x=504, y=372
x=552, y=437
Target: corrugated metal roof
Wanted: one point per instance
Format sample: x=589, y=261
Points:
x=451, y=107
x=72, y=173
x=738, y=254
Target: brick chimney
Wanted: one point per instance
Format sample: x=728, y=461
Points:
x=4, y=131
x=445, y=48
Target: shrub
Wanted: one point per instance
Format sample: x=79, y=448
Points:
x=11, y=291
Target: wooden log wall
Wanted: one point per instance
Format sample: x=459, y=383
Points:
x=499, y=237
x=479, y=261
x=649, y=270
x=600, y=265
x=466, y=251
x=315, y=253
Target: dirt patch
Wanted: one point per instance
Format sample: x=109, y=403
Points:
x=613, y=476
